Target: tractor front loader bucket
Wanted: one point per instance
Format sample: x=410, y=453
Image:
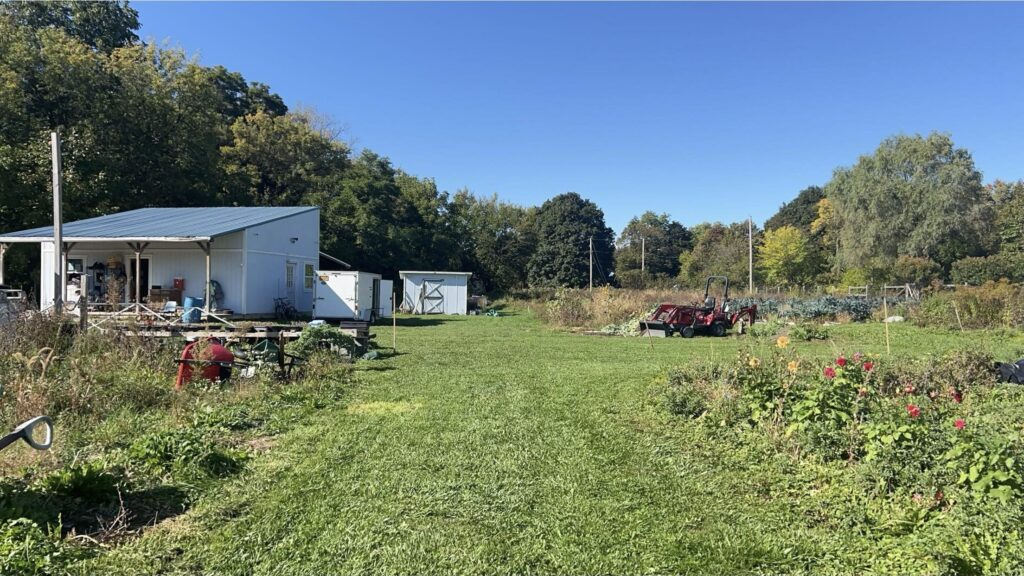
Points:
x=654, y=329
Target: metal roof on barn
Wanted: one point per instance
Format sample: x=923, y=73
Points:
x=161, y=224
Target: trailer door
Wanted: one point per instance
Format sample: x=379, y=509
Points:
x=334, y=296
x=387, y=299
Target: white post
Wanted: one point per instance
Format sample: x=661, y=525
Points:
x=591, y=263
x=60, y=278
x=206, y=294
x=750, y=254
x=643, y=254
x=138, y=277
x=3, y=252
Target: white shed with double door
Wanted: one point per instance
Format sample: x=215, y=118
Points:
x=435, y=292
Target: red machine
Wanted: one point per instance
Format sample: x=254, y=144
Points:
x=709, y=317
x=214, y=359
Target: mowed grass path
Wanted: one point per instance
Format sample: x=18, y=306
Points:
x=498, y=446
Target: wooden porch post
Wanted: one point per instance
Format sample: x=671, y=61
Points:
x=138, y=247
x=205, y=247
x=64, y=269
x=3, y=251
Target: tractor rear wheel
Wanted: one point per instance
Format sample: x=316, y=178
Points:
x=686, y=332
x=718, y=329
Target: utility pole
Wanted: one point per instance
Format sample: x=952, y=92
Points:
x=60, y=269
x=750, y=254
x=591, y=263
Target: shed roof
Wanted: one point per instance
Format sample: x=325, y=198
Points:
x=402, y=273
x=161, y=224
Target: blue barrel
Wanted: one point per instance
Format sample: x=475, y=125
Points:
x=193, y=310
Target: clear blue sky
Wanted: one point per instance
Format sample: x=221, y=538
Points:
x=704, y=111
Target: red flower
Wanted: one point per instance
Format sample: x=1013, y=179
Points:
x=913, y=410
x=957, y=397
x=841, y=361
x=959, y=423
x=868, y=366
x=830, y=372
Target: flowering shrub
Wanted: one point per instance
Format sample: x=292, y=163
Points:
x=927, y=454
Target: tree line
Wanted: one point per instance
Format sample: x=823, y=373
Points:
x=144, y=125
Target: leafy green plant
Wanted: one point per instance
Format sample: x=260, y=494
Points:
x=91, y=483
x=184, y=451
x=806, y=332
x=989, y=470
x=323, y=337
x=27, y=550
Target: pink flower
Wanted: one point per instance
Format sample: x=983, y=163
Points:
x=841, y=361
x=857, y=357
x=868, y=366
x=913, y=410
x=959, y=423
x=830, y=372
x=909, y=388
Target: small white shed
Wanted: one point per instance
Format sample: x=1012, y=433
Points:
x=351, y=295
x=435, y=292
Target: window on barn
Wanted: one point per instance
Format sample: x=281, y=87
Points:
x=308, y=276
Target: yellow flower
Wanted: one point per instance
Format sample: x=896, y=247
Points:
x=754, y=362
x=792, y=366
x=782, y=341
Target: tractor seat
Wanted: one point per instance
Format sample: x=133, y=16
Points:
x=709, y=302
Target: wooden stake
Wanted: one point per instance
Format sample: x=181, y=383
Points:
x=956, y=310
x=394, y=325
x=885, y=311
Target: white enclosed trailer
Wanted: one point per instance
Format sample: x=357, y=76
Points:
x=433, y=292
x=352, y=295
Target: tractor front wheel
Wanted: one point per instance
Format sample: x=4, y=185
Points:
x=718, y=329
x=686, y=332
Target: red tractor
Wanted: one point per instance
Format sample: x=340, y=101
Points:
x=710, y=317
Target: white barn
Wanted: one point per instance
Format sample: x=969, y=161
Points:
x=435, y=292
x=254, y=254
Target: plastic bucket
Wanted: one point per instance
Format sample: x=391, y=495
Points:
x=193, y=310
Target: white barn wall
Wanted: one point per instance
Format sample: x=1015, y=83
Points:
x=268, y=247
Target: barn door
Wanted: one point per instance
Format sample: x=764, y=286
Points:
x=432, y=297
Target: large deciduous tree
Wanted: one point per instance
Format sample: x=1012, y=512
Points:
x=100, y=25
x=498, y=236
x=654, y=242
x=718, y=250
x=785, y=255
x=566, y=224
x=1009, y=215
x=279, y=160
x=915, y=196
x=799, y=212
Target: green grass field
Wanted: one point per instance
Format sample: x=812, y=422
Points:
x=498, y=446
